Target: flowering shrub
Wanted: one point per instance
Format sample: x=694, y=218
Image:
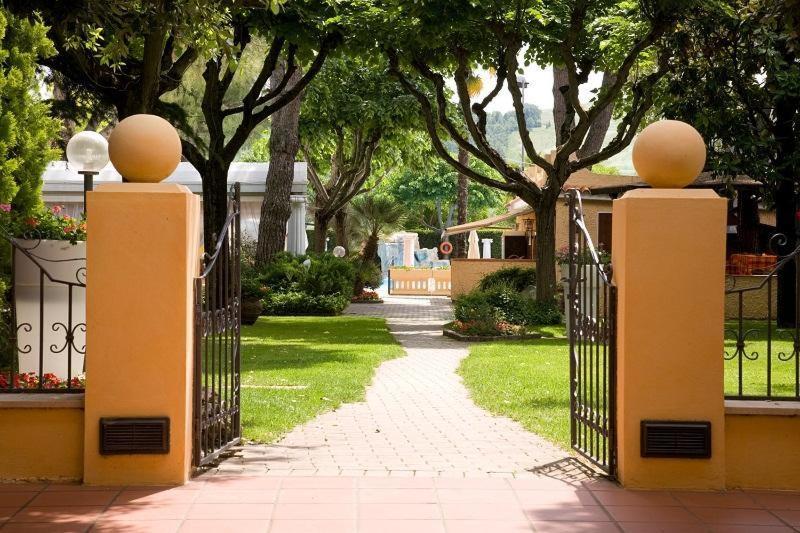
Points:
x=30, y=380
x=486, y=328
x=367, y=296
x=44, y=223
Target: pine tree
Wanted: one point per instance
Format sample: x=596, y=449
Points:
x=26, y=127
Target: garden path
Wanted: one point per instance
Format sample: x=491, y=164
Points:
x=417, y=420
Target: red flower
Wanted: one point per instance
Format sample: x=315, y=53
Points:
x=32, y=222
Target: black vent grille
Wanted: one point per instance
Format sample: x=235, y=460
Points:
x=690, y=440
x=134, y=436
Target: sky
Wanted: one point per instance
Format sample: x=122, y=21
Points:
x=539, y=91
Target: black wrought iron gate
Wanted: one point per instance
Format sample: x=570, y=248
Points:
x=217, y=298
x=592, y=302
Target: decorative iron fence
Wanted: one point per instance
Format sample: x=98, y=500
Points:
x=762, y=358
x=218, y=319
x=43, y=317
x=592, y=304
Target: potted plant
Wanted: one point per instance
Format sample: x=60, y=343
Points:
x=252, y=293
x=49, y=262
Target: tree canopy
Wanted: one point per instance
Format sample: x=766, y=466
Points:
x=435, y=41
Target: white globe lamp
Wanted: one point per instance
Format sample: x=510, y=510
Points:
x=338, y=251
x=87, y=152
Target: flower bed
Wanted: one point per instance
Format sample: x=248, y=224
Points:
x=30, y=380
x=367, y=297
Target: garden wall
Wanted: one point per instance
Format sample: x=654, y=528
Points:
x=41, y=437
x=465, y=274
x=754, y=303
x=762, y=445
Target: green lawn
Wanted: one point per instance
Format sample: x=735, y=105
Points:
x=755, y=371
x=294, y=368
x=525, y=380
x=529, y=380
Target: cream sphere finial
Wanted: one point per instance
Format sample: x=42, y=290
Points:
x=144, y=148
x=669, y=154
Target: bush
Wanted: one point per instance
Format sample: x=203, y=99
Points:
x=516, y=277
x=302, y=285
x=301, y=303
x=501, y=305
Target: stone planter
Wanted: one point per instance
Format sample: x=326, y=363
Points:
x=50, y=306
x=251, y=310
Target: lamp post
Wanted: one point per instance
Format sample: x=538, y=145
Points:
x=87, y=152
x=522, y=83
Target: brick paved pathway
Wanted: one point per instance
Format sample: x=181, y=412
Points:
x=418, y=419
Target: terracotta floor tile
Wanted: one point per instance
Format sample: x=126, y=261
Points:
x=8, y=512
x=230, y=511
x=777, y=500
x=72, y=487
x=542, y=483
x=237, y=496
x=400, y=526
x=549, y=498
x=45, y=527
x=476, y=495
x=660, y=527
x=147, y=511
x=397, y=496
x=15, y=498
x=241, y=483
x=636, y=497
x=790, y=517
x=317, y=496
x=161, y=496
x=75, y=514
x=482, y=511
x=137, y=526
x=743, y=517
x=738, y=500
x=319, y=483
x=568, y=514
x=751, y=529
x=395, y=483
x=313, y=526
x=664, y=515
x=86, y=497
x=482, y=526
x=472, y=483
x=397, y=511
x=575, y=527
x=225, y=526
x=314, y=511
x=21, y=487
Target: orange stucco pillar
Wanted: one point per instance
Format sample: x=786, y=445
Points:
x=142, y=256
x=669, y=267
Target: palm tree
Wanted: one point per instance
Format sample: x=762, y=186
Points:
x=372, y=217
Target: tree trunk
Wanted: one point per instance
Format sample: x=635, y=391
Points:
x=545, y=248
x=215, y=202
x=340, y=224
x=369, y=254
x=320, y=231
x=560, y=79
x=599, y=127
x=462, y=204
x=284, y=142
